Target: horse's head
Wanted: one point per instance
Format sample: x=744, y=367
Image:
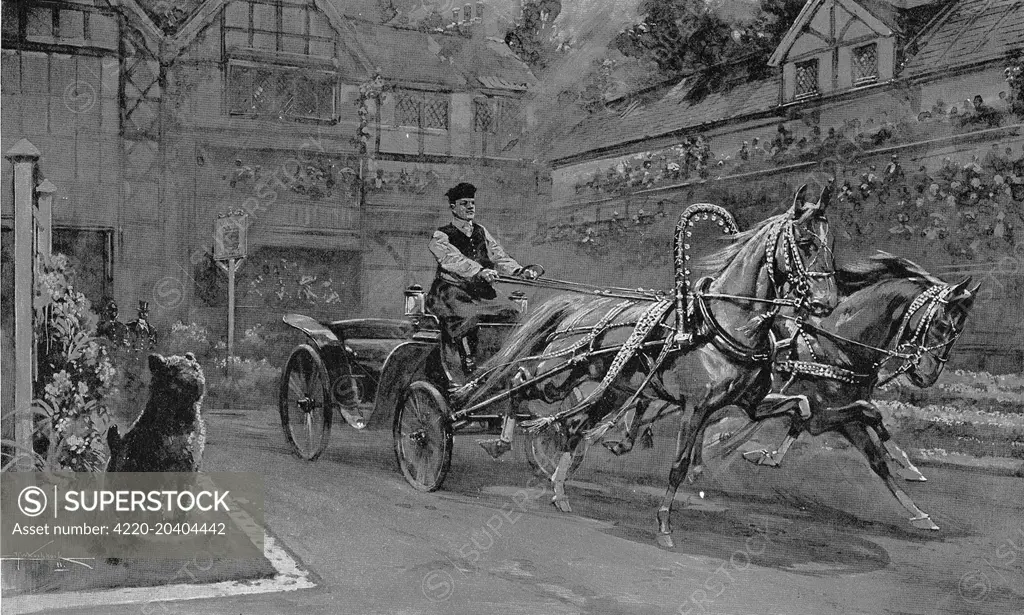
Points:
x=804, y=254
x=934, y=329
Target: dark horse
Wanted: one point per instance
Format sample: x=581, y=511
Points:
x=727, y=361
x=892, y=310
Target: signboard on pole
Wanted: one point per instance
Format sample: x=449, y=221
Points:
x=230, y=236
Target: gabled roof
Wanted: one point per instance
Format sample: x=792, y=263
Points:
x=870, y=13
x=672, y=113
x=972, y=31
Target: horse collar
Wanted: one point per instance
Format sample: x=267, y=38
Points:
x=722, y=339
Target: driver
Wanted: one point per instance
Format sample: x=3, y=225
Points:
x=469, y=261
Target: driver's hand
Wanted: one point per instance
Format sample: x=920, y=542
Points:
x=528, y=274
x=488, y=275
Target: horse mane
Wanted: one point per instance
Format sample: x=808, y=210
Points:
x=880, y=267
x=717, y=262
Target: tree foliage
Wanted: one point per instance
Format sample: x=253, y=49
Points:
x=688, y=36
x=529, y=38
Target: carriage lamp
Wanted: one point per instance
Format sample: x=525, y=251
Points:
x=415, y=301
x=519, y=299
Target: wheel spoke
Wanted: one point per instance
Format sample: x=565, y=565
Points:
x=295, y=385
x=303, y=403
x=417, y=412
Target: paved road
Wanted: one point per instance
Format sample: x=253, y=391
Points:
x=819, y=536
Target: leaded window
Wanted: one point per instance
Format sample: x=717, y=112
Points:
x=806, y=78
x=281, y=92
x=865, y=64
x=510, y=114
x=421, y=109
x=483, y=115
x=407, y=109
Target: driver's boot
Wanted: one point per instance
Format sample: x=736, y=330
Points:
x=466, y=353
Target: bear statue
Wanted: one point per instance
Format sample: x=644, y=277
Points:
x=170, y=434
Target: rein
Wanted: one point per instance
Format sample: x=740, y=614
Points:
x=636, y=294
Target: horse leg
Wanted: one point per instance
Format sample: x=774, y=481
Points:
x=858, y=435
x=775, y=404
x=773, y=459
x=680, y=467
x=625, y=445
x=905, y=469
x=560, y=500
x=868, y=414
x=697, y=457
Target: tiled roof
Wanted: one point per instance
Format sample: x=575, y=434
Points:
x=973, y=31
x=406, y=55
x=670, y=113
x=493, y=65
x=449, y=61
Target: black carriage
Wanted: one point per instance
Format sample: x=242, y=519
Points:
x=377, y=373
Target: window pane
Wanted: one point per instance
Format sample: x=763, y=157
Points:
x=806, y=78
x=240, y=90
x=278, y=93
x=407, y=109
x=435, y=111
x=315, y=97
x=483, y=116
x=865, y=64
x=510, y=116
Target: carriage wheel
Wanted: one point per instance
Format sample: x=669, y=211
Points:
x=305, y=403
x=423, y=436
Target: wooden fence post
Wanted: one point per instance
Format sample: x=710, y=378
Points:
x=24, y=156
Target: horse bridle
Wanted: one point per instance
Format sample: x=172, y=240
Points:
x=798, y=275
x=929, y=301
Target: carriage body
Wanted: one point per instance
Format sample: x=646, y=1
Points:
x=376, y=373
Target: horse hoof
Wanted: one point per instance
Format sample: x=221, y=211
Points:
x=912, y=475
x=761, y=458
x=616, y=448
x=665, y=541
x=924, y=523
x=562, y=504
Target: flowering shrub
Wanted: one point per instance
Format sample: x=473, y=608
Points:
x=248, y=383
x=75, y=377
x=188, y=338
x=249, y=379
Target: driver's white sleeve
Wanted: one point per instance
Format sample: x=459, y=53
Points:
x=450, y=259
x=503, y=263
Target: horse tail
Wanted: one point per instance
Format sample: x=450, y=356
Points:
x=528, y=339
